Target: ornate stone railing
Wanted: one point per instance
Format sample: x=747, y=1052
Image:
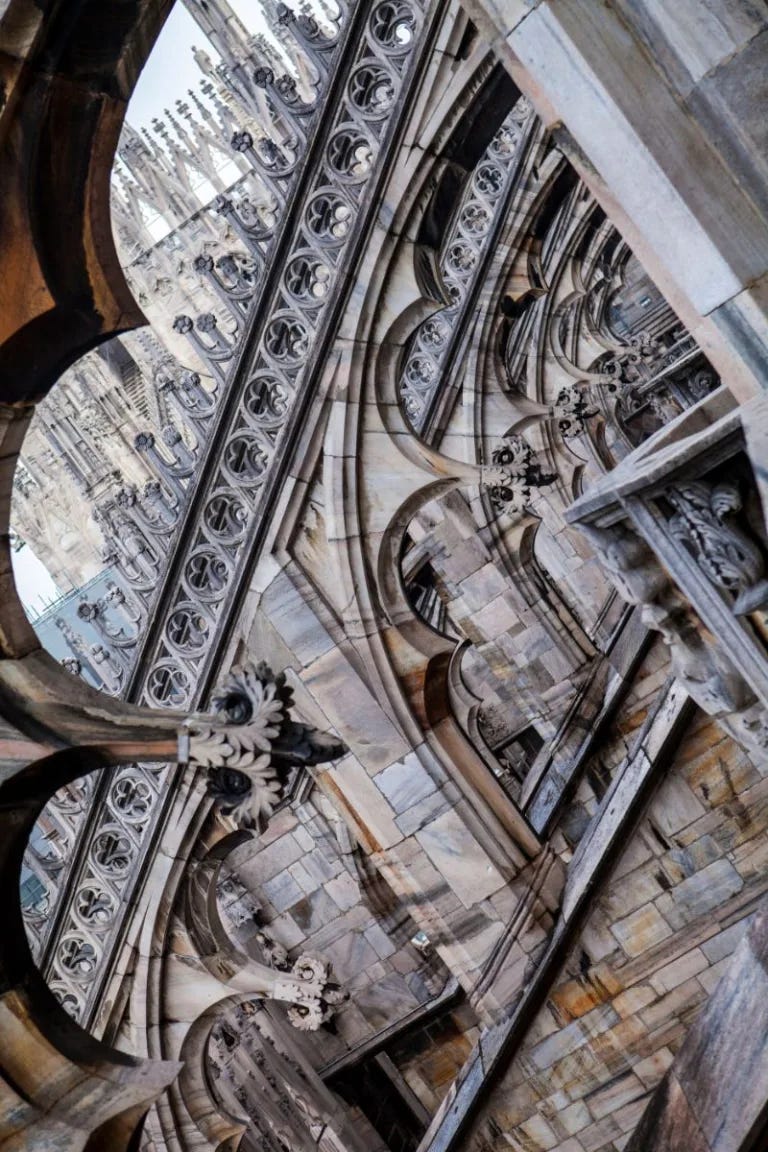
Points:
x=281, y=145
x=463, y=262
x=268, y=379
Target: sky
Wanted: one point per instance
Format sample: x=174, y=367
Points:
x=35, y=587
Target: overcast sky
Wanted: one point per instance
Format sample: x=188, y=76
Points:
x=36, y=589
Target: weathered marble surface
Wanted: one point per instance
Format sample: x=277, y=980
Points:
x=713, y=1097
x=582, y=1018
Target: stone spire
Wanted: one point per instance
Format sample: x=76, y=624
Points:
x=221, y=25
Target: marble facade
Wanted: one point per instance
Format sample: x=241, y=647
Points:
x=482, y=474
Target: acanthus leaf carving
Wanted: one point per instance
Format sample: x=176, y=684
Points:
x=515, y=473
x=249, y=755
x=704, y=515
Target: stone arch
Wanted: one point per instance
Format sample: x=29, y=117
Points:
x=60, y=1082
x=220, y=1128
x=420, y=656
x=190, y=970
x=435, y=653
x=65, y=291
x=411, y=661
x=68, y=76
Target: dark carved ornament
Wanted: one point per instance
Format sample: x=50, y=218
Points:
x=573, y=409
x=515, y=474
x=250, y=757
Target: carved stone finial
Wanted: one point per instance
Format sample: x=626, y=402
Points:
x=249, y=752
x=263, y=77
x=207, y=322
x=312, y=994
x=183, y=325
x=87, y=611
x=242, y=141
x=306, y=983
x=707, y=519
x=125, y=496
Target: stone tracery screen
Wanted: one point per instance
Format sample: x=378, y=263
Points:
x=288, y=135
